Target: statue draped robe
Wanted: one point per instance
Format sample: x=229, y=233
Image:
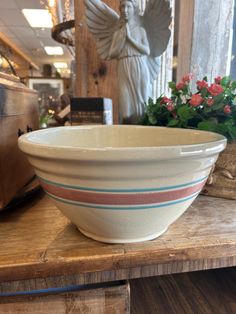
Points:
x=134, y=84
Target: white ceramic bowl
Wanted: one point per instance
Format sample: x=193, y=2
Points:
x=121, y=184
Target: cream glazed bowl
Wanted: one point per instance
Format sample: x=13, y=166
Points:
x=121, y=184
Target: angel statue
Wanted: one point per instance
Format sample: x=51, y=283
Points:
x=136, y=42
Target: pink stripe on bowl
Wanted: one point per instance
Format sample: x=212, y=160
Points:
x=121, y=198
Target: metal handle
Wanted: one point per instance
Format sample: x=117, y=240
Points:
x=28, y=129
x=20, y=132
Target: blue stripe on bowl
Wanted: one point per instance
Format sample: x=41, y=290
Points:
x=77, y=187
x=143, y=207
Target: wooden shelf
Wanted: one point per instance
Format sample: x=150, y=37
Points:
x=40, y=247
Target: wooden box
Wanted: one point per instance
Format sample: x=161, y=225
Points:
x=18, y=115
x=91, y=111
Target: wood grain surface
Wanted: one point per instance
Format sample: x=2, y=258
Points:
x=205, y=292
x=95, y=77
x=17, y=111
x=40, y=247
x=185, y=36
x=109, y=300
x=214, y=26
x=203, y=22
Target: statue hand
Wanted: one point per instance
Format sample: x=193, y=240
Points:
x=123, y=31
x=127, y=30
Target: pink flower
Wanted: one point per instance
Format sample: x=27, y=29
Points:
x=218, y=79
x=187, y=78
x=210, y=102
x=202, y=84
x=215, y=89
x=165, y=100
x=227, y=109
x=170, y=107
x=180, y=85
x=196, y=100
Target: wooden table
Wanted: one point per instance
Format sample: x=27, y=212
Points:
x=40, y=249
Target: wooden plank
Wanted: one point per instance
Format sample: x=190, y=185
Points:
x=212, y=40
x=109, y=300
x=208, y=292
x=37, y=241
x=205, y=38
x=185, y=35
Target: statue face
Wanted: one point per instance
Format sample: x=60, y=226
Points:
x=127, y=10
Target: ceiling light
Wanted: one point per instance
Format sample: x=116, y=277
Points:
x=60, y=65
x=54, y=51
x=38, y=18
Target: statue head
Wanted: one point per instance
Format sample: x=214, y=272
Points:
x=128, y=9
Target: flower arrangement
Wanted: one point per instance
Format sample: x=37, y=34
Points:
x=211, y=107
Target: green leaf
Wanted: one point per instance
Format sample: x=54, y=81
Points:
x=152, y=119
x=184, y=113
x=204, y=92
x=218, y=99
x=172, y=85
x=205, y=79
x=207, y=109
x=229, y=123
x=225, y=81
x=173, y=122
x=218, y=107
x=228, y=92
x=185, y=90
x=221, y=128
x=207, y=125
x=233, y=85
x=233, y=133
x=150, y=101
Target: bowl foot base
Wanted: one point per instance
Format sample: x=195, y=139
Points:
x=118, y=240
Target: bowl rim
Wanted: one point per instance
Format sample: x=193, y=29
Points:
x=134, y=152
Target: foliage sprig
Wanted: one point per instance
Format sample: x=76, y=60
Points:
x=209, y=107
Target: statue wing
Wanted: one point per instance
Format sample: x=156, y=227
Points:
x=153, y=66
x=156, y=21
x=102, y=22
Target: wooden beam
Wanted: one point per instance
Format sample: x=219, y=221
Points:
x=205, y=38
x=185, y=35
x=212, y=40
x=23, y=55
